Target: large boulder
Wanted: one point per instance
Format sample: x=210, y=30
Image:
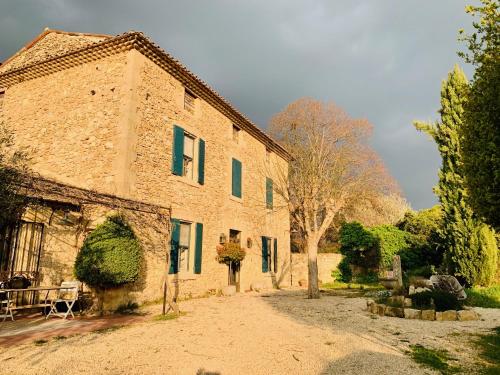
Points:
x=449, y=284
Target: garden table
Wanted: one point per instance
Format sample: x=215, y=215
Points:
x=7, y=305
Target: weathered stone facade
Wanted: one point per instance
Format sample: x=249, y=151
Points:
x=107, y=124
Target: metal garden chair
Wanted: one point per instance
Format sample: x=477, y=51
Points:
x=68, y=294
x=5, y=306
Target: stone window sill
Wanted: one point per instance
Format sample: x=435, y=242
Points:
x=187, y=181
x=184, y=276
x=236, y=199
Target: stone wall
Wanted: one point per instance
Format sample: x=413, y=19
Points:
x=327, y=262
x=160, y=106
x=107, y=125
x=65, y=230
x=70, y=121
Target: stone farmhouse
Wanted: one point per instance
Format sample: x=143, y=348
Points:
x=115, y=123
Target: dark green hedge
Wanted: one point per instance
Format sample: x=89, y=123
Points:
x=110, y=256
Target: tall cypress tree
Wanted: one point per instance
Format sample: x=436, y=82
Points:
x=471, y=250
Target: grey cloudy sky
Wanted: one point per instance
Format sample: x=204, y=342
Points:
x=379, y=59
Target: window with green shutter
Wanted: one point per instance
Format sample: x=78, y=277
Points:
x=269, y=193
x=265, y=251
x=275, y=255
x=174, y=246
x=201, y=162
x=236, y=178
x=178, y=151
x=198, y=251
x=183, y=155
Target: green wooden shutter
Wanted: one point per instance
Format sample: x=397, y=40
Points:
x=275, y=258
x=265, y=254
x=269, y=193
x=178, y=151
x=198, y=248
x=236, y=178
x=174, y=246
x=201, y=162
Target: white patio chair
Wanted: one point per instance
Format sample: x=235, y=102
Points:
x=5, y=306
x=67, y=294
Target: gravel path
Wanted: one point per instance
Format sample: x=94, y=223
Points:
x=275, y=333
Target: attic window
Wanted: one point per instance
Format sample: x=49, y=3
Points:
x=189, y=101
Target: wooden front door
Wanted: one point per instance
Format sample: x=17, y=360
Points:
x=234, y=275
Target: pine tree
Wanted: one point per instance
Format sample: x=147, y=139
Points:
x=469, y=252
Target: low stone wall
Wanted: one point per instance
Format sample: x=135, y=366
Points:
x=327, y=262
x=428, y=314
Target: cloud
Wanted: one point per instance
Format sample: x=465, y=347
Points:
x=382, y=60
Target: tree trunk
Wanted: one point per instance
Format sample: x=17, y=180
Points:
x=312, y=255
x=100, y=300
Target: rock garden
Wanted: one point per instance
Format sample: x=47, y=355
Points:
x=438, y=298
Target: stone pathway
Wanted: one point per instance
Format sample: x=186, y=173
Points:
x=274, y=333
x=28, y=329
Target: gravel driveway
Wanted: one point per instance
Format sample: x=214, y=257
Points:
x=275, y=333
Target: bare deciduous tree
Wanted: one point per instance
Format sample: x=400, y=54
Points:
x=382, y=209
x=333, y=167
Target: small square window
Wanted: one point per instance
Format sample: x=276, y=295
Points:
x=189, y=101
x=236, y=133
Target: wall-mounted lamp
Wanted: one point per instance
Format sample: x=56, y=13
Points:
x=249, y=243
x=222, y=238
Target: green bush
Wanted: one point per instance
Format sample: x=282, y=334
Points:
x=424, y=241
x=478, y=265
x=484, y=297
x=391, y=241
x=438, y=299
x=358, y=245
x=345, y=270
x=110, y=256
x=369, y=277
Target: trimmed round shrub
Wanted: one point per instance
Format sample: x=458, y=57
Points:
x=111, y=255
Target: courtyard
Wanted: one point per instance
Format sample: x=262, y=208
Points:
x=277, y=332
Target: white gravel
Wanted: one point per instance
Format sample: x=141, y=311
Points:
x=274, y=333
